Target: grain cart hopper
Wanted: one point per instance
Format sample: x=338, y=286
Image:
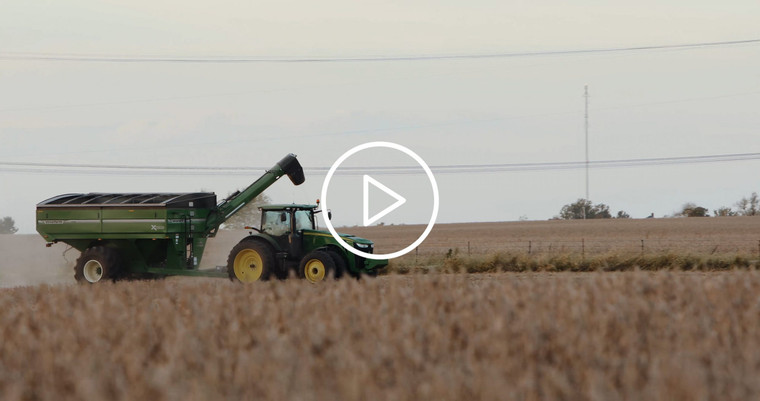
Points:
x=162, y=234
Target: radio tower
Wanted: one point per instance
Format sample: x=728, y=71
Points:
x=585, y=95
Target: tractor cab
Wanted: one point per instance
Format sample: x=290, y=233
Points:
x=279, y=220
x=286, y=225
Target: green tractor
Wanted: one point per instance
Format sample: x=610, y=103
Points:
x=288, y=241
x=123, y=235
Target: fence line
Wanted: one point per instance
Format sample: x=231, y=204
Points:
x=595, y=246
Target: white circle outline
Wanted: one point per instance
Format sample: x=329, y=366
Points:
x=419, y=161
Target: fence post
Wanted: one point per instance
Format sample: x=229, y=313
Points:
x=583, y=248
x=530, y=247
x=416, y=253
x=468, y=248
x=758, y=248
x=642, y=247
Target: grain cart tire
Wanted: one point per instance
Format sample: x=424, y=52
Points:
x=250, y=261
x=317, y=266
x=340, y=264
x=97, y=263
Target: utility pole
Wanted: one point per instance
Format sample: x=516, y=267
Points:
x=585, y=95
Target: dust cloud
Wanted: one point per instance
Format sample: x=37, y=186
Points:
x=25, y=261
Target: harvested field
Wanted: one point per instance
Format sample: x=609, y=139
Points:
x=678, y=235
x=576, y=245
x=598, y=336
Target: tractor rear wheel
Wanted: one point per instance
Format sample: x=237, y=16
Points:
x=97, y=263
x=250, y=261
x=317, y=266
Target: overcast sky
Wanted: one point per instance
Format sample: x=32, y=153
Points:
x=527, y=109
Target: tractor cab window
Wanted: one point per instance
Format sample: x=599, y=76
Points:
x=304, y=220
x=276, y=222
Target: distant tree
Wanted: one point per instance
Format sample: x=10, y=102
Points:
x=621, y=214
x=724, y=211
x=600, y=211
x=584, y=207
x=8, y=226
x=749, y=206
x=248, y=215
x=692, y=210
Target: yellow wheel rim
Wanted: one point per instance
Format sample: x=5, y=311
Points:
x=314, y=270
x=248, y=266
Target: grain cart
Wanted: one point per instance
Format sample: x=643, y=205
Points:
x=162, y=234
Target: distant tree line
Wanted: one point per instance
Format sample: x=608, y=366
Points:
x=747, y=206
x=585, y=209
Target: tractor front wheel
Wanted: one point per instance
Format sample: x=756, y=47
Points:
x=97, y=263
x=250, y=261
x=317, y=266
x=340, y=264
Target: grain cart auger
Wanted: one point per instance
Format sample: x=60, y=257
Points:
x=163, y=234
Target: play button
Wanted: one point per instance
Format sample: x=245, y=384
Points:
x=400, y=200
x=370, y=187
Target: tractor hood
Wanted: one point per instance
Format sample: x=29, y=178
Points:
x=350, y=238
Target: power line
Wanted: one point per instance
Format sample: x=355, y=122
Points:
x=22, y=56
x=102, y=169
x=364, y=130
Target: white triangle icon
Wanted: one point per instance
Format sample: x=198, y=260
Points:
x=400, y=200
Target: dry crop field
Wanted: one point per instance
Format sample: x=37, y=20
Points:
x=596, y=336
x=633, y=335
